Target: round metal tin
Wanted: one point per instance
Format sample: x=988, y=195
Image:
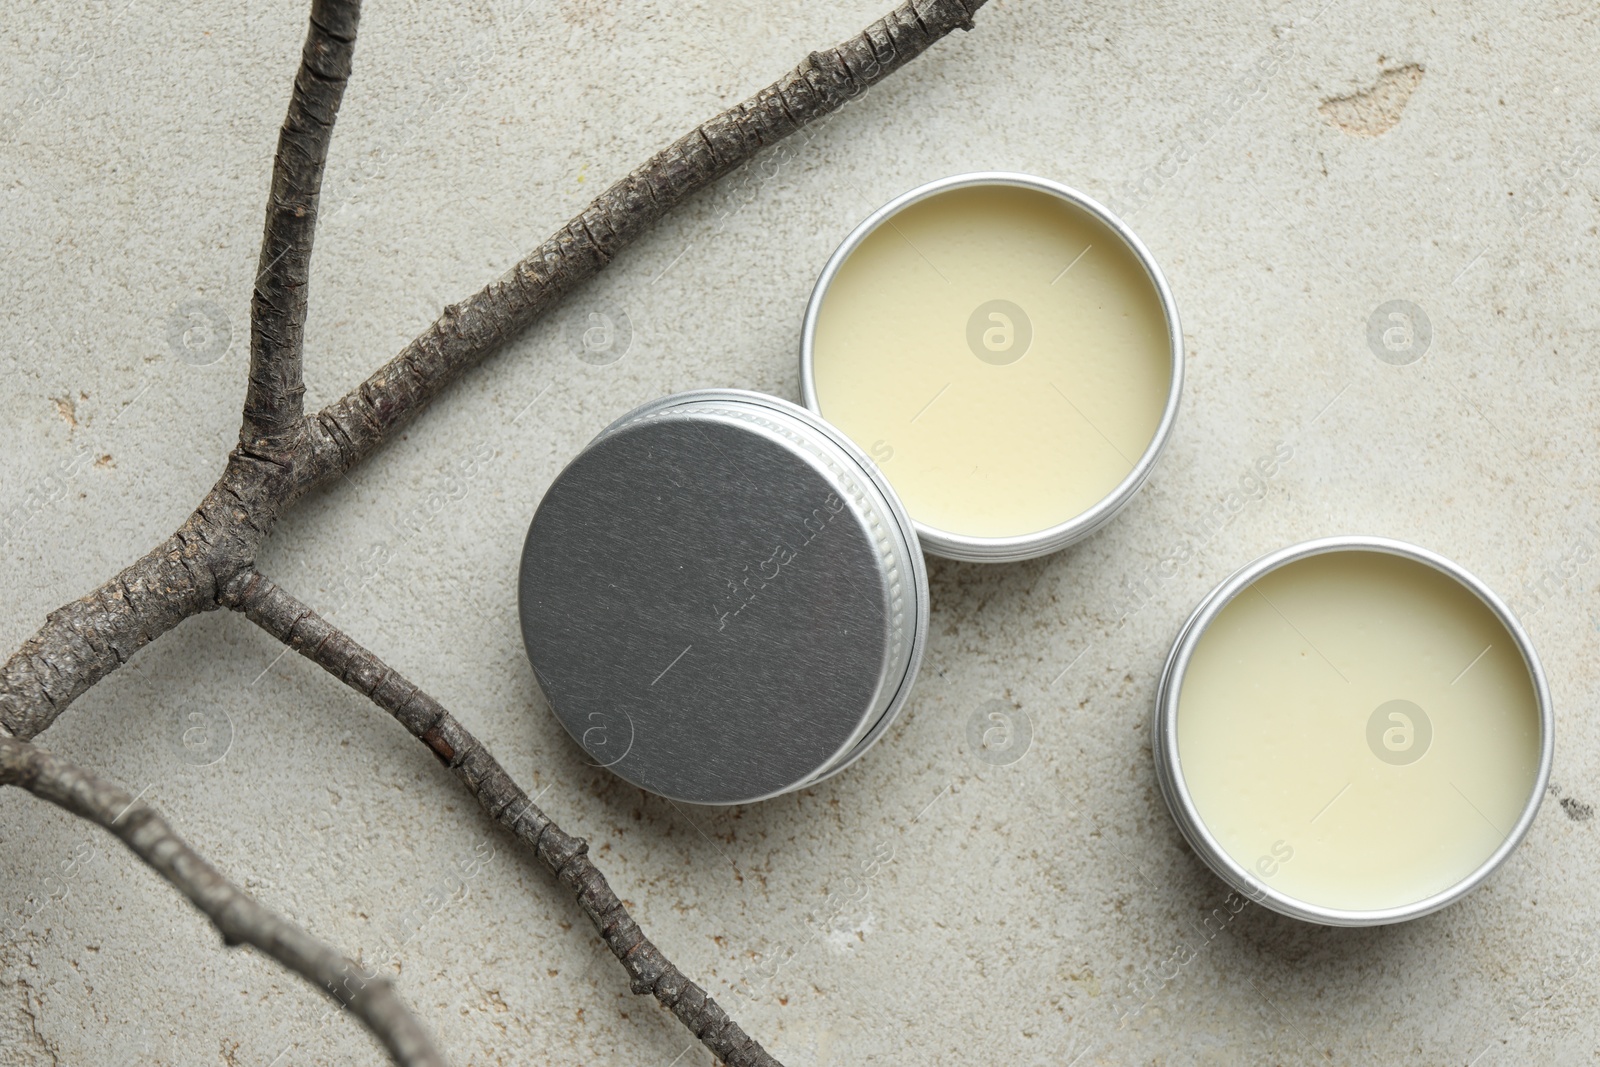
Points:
x=722, y=598
x=1024, y=546
x=1169, y=768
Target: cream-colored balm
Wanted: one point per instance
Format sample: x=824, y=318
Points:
x=1000, y=352
x=1358, y=730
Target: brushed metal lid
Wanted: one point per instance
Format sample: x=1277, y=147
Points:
x=721, y=598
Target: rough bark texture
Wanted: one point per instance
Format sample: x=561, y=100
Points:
x=565, y=856
x=55, y=666
x=274, y=400
x=85, y=640
x=348, y=430
x=235, y=914
x=210, y=560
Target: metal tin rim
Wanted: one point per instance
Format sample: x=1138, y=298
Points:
x=902, y=529
x=1021, y=546
x=1169, y=771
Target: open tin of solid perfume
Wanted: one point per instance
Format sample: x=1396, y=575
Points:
x=1007, y=351
x=1353, y=731
x=722, y=598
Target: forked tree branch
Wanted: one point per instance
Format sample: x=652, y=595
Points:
x=283, y=454
x=649, y=971
x=235, y=914
x=82, y=642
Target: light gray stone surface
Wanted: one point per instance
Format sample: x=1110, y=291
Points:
x=1009, y=912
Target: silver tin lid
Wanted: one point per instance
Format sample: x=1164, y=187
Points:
x=1175, y=788
x=972, y=549
x=722, y=599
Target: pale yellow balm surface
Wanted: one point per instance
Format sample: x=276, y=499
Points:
x=1358, y=730
x=1000, y=353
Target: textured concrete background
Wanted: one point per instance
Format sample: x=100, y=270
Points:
x=930, y=905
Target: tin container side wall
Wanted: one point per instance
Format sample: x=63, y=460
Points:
x=888, y=535
x=1169, y=770
x=954, y=546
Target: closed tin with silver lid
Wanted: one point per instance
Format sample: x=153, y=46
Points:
x=722, y=599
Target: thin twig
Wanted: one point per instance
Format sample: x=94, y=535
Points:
x=649, y=971
x=237, y=916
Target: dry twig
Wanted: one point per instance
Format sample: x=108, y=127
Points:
x=282, y=454
x=235, y=914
